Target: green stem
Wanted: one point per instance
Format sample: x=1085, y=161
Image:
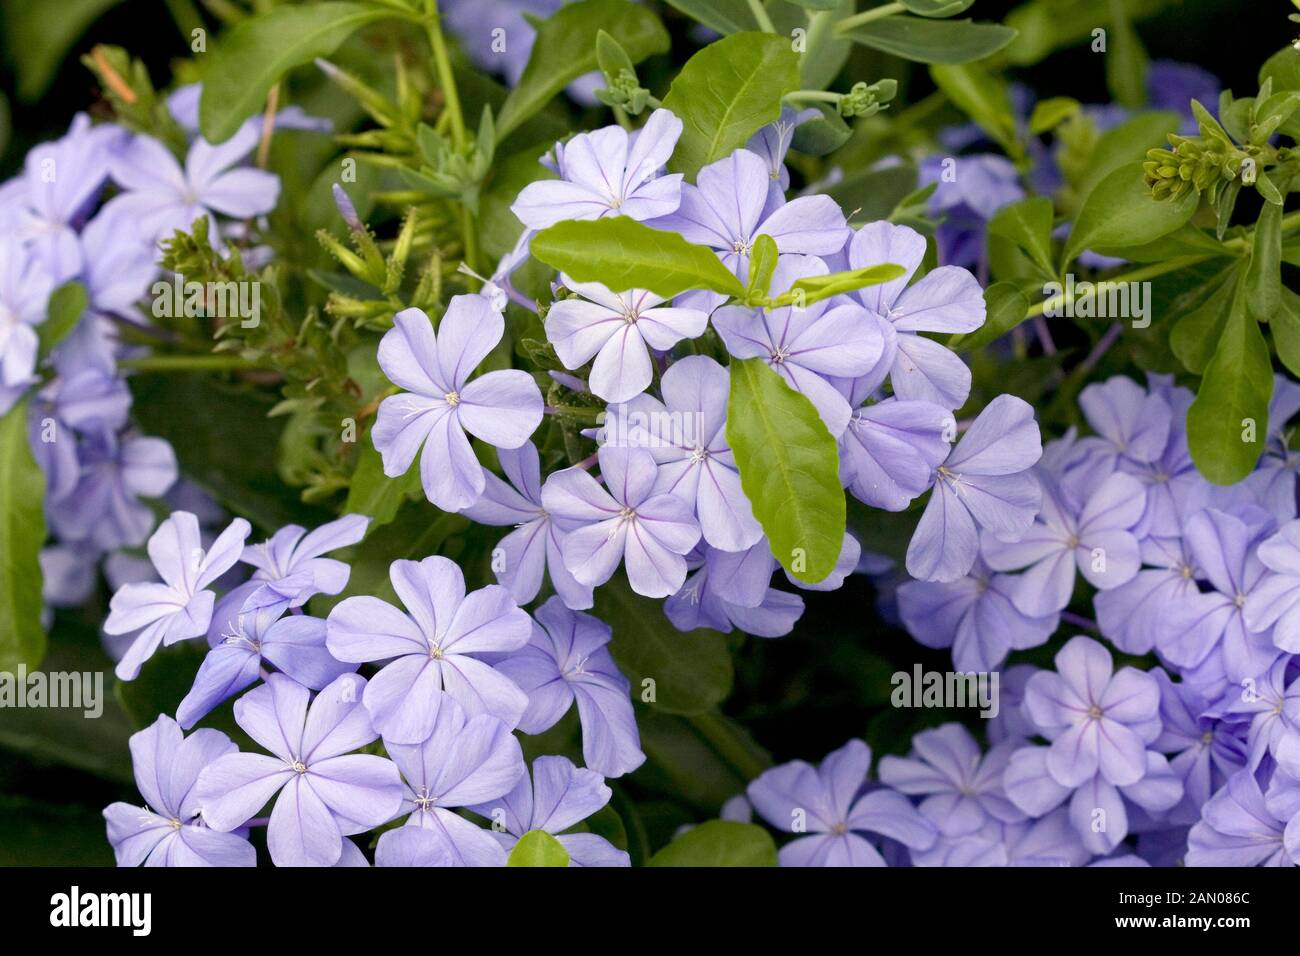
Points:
x=1137, y=275
x=455, y=119
x=866, y=16
x=187, y=363
x=813, y=96
x=719, y=735
x=446, y=79
x=760, y=16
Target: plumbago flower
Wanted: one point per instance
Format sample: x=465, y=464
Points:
x=534, y=549
x=248, y=633
x=985, y=482
x=616, y=328
x=975, y=615
x=170, y=832
x=558, y=797
x=705, y=599
x=891, y=448
x=1100, y=724
x=293, y=552
x=946, y=299
x=1237, y=828
x=1275, y=602
x=464, y=761
x=567, y=659
x=1206, y=635
x=25, y=288
x=115, y=473
x=806, y=346
x=962, y=787
x=687, y=435
x=607, y=172
x=160, y=196
x=180, y=607
x=441, y=404
x=1095, y=538
x=431, y=650
x=833, y=804
x=727, y=209
x=623, y=521
x=326, y=791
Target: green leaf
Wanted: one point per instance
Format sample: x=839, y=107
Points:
x=719, y=843
x=1027, y=224
x=984, y=98
x=37, y=39
x=727, y=92
x=789, y=469
x=1051, y=113
x=1126, y=60
x=871, y=194
x=375, y=494
x=1125, y=143
x=821, y=135
x=1264, y=272
x=816, y=288
x=724, y=16
x=260, y=50
x=1005, y=307
x=1195, y=336
x=565, y=49
x=1285, y=326
x=538, y=848
x=1122, y=212
x=691, y=671
x=1049, y=25
x=22, y=532
x=623, y=254
x=932, y=41
x=1228, y=421
x=67, y=305
x=762, y=263
x=937, y=8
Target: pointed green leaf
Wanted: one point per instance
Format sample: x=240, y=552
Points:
x=1005, y=307
x=565, y=49
x=1122, y=212
x=67, y=305
x=724, y=16
x=1228, y=421
x=1263, y=273
x=538, y=848
x=932, y=41
x=727, y=92
x=719, y=843
x=816, y=288
x=984, y=98
x=624, y=254
x=1028, y=224
x=258, y=51
x=1196, y=335
x=22, y=532
x=789, y=469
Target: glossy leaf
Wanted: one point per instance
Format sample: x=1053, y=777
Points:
x=260, y=50
x=719, y=843
x=565, y=49
x=22, y=533
x=932, y=41
x=789, y=469
x=727, y=92
x=623, y=254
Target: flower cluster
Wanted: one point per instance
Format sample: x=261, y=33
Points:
x=92, y=208
x=396, y=717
